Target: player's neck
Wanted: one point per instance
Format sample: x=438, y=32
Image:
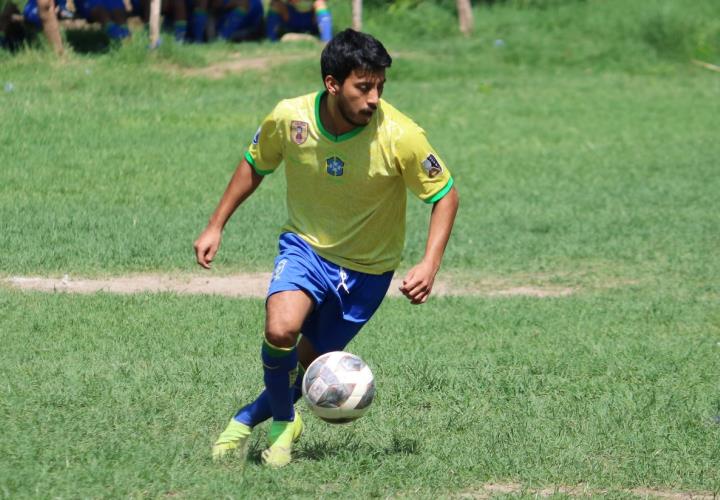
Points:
x=332, y=120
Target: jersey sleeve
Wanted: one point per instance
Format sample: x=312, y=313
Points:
x=266, y=149
x=422, y=169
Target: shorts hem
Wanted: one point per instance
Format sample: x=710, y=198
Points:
x=293, y=287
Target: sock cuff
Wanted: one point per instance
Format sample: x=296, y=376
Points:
x=275, y=351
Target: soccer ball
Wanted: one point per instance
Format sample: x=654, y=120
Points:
x=338, y=387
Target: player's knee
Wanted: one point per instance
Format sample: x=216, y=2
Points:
x=281, y=334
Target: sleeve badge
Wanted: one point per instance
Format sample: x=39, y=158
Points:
x=256, y=137
x=299, y=131
x=432, y=166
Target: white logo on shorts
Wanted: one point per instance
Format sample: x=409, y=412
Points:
x=279, y=269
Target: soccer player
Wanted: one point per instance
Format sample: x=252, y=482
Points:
x=349, y=158
x=298, y=16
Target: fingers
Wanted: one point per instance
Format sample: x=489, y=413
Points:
x=206, y=246
x=416, y=288
x=204, y=254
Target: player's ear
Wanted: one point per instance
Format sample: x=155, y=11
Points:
x=332, y=85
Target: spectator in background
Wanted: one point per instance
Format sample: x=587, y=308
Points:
x=232, y=20
x=298, y=16
x=199, y=21
x=32, y=16
x=13, y=32
x=239, y=20
x=174, y=12
x=111, y=15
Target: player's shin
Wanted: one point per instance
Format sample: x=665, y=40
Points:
x=259, y=410
x=232, y=23
x=198, y=24
x=280, y=371
x=272, y=26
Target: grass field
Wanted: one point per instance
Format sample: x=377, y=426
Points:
x=584, y=147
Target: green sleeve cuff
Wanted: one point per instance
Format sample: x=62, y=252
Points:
x=250, y=160
x=442, y=192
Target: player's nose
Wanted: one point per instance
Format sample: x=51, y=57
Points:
x=373, y=98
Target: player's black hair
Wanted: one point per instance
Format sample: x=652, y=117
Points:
x=351, y=50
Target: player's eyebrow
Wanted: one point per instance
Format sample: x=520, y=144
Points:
x=371, y=81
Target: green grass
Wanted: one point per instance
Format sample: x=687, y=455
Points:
x=584, y=148
x=122, y=396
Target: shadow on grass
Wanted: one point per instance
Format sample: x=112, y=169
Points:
x=319, y=449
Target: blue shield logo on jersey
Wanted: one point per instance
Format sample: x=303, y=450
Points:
x=334, y=166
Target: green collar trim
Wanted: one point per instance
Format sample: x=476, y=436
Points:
x=328, y=135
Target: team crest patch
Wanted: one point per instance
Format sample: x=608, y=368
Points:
x=335, y=166
x=432, y=166
x=256, y=137
x=279, y=269
x=299, y=131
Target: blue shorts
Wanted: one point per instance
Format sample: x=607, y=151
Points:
x=344, y=300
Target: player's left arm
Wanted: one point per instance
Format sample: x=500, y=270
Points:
x=418, y=282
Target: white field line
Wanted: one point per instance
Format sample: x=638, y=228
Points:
x=253, y=285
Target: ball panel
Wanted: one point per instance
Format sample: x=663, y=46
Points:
x=316, y=391
x=351, y=363
x=366, y=398
x=335, y=395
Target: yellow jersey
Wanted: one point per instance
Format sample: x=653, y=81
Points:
x=346, y=194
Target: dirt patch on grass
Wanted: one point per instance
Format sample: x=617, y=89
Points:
x=497, y=489
x=255, y=285
x=239, y=64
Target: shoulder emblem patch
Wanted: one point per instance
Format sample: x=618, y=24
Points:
x=299, y=131
x=432, y=166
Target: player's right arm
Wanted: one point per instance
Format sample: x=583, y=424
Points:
x=242, y=184
x=262, y=158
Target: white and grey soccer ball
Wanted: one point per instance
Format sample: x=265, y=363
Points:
x=338, y=387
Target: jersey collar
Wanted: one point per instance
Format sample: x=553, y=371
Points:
x=328, y=135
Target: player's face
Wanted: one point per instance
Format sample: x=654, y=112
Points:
x=359, y=95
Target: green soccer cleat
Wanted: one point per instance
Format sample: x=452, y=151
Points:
x=233, y=438
x=282, y=435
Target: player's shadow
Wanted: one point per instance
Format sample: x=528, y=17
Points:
x=318, y=449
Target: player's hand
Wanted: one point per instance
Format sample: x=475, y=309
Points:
x=418, y=282
x=207, y=245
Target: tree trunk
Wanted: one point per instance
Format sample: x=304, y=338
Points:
x=154, y=23
x=357, y=15
x=46, y=10
x=466, y=16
